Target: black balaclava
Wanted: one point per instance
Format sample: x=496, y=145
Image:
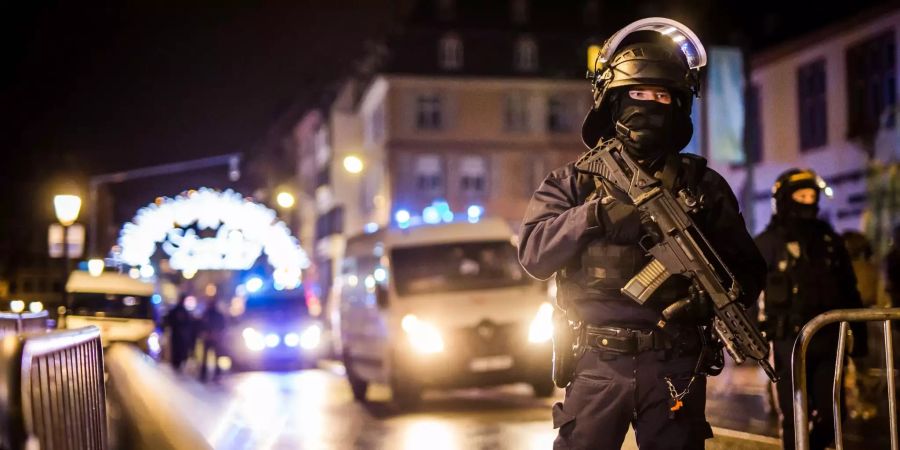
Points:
x=650, y=130
x=793, y=213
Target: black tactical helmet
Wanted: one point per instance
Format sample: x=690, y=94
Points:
x=791, y=181
x=654, y=51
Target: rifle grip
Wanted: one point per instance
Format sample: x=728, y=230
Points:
x=645, y=283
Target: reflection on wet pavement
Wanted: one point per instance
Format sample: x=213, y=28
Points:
x=314, y=409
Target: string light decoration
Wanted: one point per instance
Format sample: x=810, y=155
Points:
x=206, y=229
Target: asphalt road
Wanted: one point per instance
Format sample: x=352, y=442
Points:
x=314, y=409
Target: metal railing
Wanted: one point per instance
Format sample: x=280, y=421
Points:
x=52, y=393
x=844, y=316
x=12, y=323
x=33, y=322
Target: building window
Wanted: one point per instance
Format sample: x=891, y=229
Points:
x=812, y=104
x=374, y=130
x=515, y=116
x=429, y=176
x=526, y=55
x=754, y=125
x=871, y=85
x=428, y=112
x=518, y=11
x=473, y=175
x=330, y=223
x=451, y=53
x=558, y=115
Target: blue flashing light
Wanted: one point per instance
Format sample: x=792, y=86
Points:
x=474, y=213
x=430, y=215
x=254, y=284
x=402, y=217
x=443, y=208
x=371, y=227
x=156, y=299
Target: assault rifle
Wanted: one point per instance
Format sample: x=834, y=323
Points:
x=682, y=250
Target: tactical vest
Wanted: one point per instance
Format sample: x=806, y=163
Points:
x=603, y=268
x=801, y=285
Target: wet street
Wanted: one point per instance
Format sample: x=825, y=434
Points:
x=314, y=409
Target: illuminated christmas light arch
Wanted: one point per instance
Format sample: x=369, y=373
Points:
x=243, y=230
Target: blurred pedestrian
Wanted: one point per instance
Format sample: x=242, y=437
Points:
x=860, y=251
x=809, y=273
x=181, y=332
x=892, y=269
x=212, y=326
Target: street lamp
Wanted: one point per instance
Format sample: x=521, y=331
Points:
x=285, y=199
x=353, y=164
x=67, y=208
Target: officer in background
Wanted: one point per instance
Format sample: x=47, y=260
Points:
x=629, y=372
x=809, y=272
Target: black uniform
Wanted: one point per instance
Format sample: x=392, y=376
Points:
x=809, y=273
x=594, y=255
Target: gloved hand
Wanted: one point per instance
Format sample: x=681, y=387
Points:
x=623, y=223
x=696, y=307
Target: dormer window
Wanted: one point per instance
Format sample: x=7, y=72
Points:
x=451, y=52
x=518, y=11
x=526, y=55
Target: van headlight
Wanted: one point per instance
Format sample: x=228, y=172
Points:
x=311, y=337
x=153, y=343
x=423, y=336
x=541, y=329
x=253, y=339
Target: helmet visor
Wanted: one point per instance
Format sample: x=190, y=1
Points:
x=680, y=34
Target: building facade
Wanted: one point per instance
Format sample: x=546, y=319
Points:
x=827, y=101
x=468, y=106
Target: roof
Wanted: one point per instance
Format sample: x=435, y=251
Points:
x=107, y=283
x=489, y=229
x=823, y=34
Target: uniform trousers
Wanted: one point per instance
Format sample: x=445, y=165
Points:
x=610, y=392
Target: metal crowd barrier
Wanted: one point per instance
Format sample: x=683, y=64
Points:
x=12, y=323
x=9, y=323
x=52, y=393
x=844, y=316
x=32, y=322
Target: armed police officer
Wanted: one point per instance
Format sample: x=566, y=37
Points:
x=627, y=369
x=809, y=272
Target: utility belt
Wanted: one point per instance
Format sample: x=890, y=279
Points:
x=625, y=341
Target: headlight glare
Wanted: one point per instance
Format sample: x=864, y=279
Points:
x=311, y=337
x=541, y=329
x=292, y=339
x=424, y=337
x=272, y=340
x=253, y=340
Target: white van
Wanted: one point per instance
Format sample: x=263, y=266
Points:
x=442, y=306
x=123, y=308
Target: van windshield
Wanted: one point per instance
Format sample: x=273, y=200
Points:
x=111, y=305
x=456, y=267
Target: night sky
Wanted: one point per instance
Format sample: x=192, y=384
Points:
x=91, y=87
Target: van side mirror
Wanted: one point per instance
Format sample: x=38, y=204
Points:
x=381, y=296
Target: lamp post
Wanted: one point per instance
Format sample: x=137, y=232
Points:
x=67, y=208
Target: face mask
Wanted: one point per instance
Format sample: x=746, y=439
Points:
x=645, y=127
x=790, y=209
